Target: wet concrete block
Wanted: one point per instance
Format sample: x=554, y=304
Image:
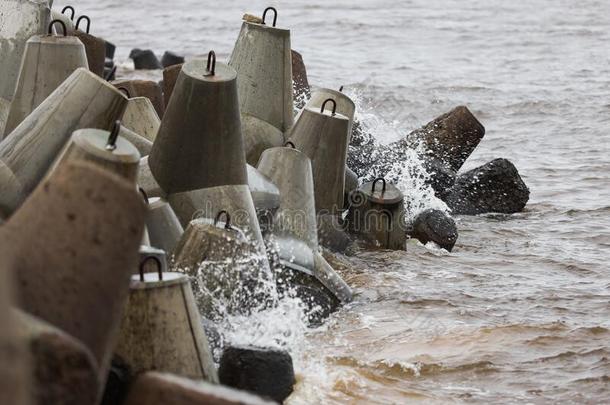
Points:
x=435, y=226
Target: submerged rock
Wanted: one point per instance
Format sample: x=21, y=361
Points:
x=266, y=372
x=435, y=226
x=170, y=58
x=144, y=59
x=493, y=187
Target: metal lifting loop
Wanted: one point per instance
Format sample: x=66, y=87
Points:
x=157, y=262
x=274, y=15
x=124, y=90
x=111, y=73
x=324, y=106
x=375, y=184
x=114, y=134
x=212, y=62
x=341, y=89
x=63, y=25
x=88, y=22
x=291, y=144
x=144, y=195
x=227, y=219
x=63, y=11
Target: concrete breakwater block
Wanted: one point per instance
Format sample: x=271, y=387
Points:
x=435, y=226
x=155, y=388
x=163, y=226
x=94, y=46
x=170, y=76
x=265, y=372
x=494, y=187
x=144, y=59
x=144, y=88
x=141, y=117
x=143, y=145
x=72, y=246
x=64, y=372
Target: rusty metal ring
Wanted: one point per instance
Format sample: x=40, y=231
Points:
x=114, y=134
x=63, y=25
x=212, y=62
x=227, y=219
x=274, y=15
x=159, y=267
x=124, y=90
x=63, y=11
x=291, y=144
x=324, y=105
x=375, y=184
x=88, y=22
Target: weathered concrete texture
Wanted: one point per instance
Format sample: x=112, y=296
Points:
x=147, y=181
x=161, y=329
x=265, y=194
x=5, y=107
x=145, y=59
x=72, y=247
x=144, y=88
x=163, y=225
x=323, y=137
x=165, y=389
x=170, y=59
x=435, y=226
x=64, y=372
x=200, y=144
x=140, y=117
x=91, y=145
x=377, y=213
x=143, y=145
x=15, y=373
x=263, y=60
x=96, y=51
x=82, y=101
x=332, y=232
x=226, y=268
x=266, y=372
x=170, y=76
x=345, y=105
x=299, y=77
x=19, y=20
x=47, y=62
x=493, y=187
x=341, y=292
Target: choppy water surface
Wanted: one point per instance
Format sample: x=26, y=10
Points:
x=519, y=312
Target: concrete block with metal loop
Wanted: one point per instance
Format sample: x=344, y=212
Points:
x=263, y=61
x=144, y=88
x=170, y=76
x=345, y=105
x=140, y=116
x=161, y=327
x=105, y=149
x=95, y=47
x=164, y=228
x=82, y=101
x=265, y=195
x=66, y=15
x=19, y=21
x=143, y=145
x=323, y=136
x=72, y=247
x=200, y=144
x=48, y=60
x=228, y=271
x=377, y=212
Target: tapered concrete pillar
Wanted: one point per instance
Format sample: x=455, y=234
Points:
x=19, y=21
x=82, y=101
x=95, y=47
x=144, y=88
x=263, y=61
x=199, y=144
x=140, y=117
x=345, y=105
x=163, y=225
x=161, y=328
x=170, y=76
x=48, y=60
x=105, y=149
x=73, y=246
x=143, y=145
x=322, y=134
x=147, y=181
x=265, y=194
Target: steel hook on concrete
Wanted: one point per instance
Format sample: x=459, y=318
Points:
x=227, y=219
x=114, y=134
x=144, y=195
x=157, y=262
x=341, y=89
x=63, y=25
x=84, y=17
x=212, y=62
x=110, y=74
x=324, y=106
x=63, y=11
x=274, y=15
x=377, y=180
x=124, y=90
x=291, y=144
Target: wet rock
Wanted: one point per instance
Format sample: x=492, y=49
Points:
x=155, y=388
x=299, y=78
x=435, y=226
x=266, y=372
x=493, y=187
x=117, y=383
x=169, y=59
x=144, y=59
x=332, y=233
x=441, y=177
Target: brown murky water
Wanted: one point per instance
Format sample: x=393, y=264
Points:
x=519, y=312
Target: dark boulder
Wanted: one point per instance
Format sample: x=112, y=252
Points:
x=493, y=187
x=266, y=372
x=299, y=79
x=144, y=59
x=170, y=59
x=435, y=226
